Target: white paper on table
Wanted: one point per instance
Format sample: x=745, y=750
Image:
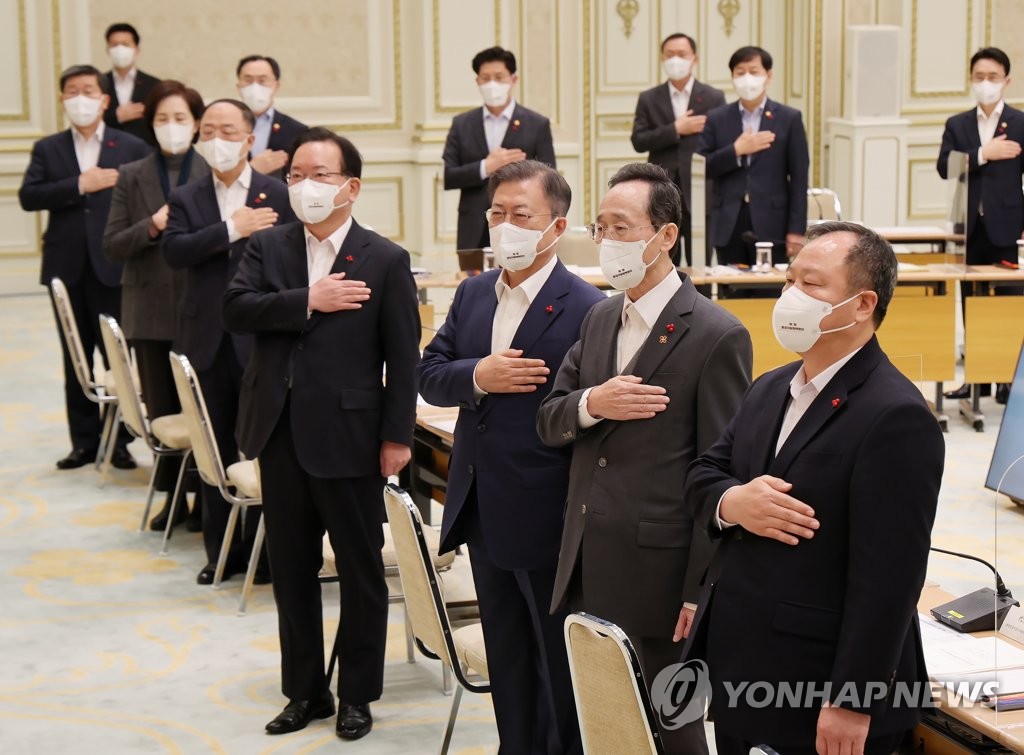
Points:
x=934, y=632
x=444, y=425
x=974, y=685
x=981, y=654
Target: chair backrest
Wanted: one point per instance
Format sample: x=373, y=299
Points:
x=420, y=583
x=823, y=204
x=763, y=750
x=611, y=695
x=133, y=414
x=577, y=248
x=69, y=330
x=197, y=419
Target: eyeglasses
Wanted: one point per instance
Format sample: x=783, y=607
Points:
x=320, y=175
x=521, y=219
x=617, y=232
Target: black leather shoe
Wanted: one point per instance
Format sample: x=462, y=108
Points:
x=298, y=713
x=354, y=721
x=205, y=576
x=159, y=522
x=964, y=391
x=1002, y=393
x=77, y=458
x=122, y=459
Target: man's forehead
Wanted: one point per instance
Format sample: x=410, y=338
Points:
x=825, y=252
x=626, y=199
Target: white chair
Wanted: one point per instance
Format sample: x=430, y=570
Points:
x=612, y=702
x=238, y=483
x=165, y=436
x=105, y=393
x=461, y=649
x=823, y=205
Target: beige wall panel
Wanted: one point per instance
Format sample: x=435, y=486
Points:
x=460, y=30
x=20, y=230
x=842, y=178
x=626, y=49
x=538, y=53
x=1006, y=23
x=14, y=84
x=927, y=193
x=381, y=206
x=879, y=198
x=941, y=44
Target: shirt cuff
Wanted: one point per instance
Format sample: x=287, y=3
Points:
x=719, y=522
x=483, y=169
x=690, y=606
x=233, y=234
x=478, y=392
x=584, y=418
x=981, y=157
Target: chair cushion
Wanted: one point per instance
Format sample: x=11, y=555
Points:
x=457, y=585
x=109, y=386
x=469, y=646
x=171, y=430
x=432, y=536
x=242, y=474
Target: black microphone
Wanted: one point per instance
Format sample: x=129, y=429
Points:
x=977, y=611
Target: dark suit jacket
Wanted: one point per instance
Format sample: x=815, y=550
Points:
x=144, y=83
x=625, y=519
x=74, y=231
x=283, y=132
x=150, y=288
x=839, y=607
x=776, y=178
x=196, y=240
x=654, y=130
x=521, y=483
x=996, y=184
x=466, y=146
x=331, y=363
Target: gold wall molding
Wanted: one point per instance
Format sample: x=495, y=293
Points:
x=627, y=10
x=399, y=183
x=816, y=145
x=914, y=92
x=23, y=114
x=439, y=107
x=911, y=215
x=728, y=10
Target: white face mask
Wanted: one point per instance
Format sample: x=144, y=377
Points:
x=515, y=248
x=313, y=201
x=495, y=93
x=677, y=68
x=796, y=319
x=622, y=262
x=220, y=154
x=83, y=111
x=174, y=138
x=257, y=97
x=748, y=86
x=987, y=92
x=121, y=55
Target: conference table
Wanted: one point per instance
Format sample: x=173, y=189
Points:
x=1006, y=728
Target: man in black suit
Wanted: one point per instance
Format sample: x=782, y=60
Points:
x=330, y=304
x=208, y=225
x=757, y=159
x=506, y=489
x=991, y=134
x=71, y=175
x=669, y=119
x=482, y=140
x=822, y=491
x=259, y=78
x=127, y=86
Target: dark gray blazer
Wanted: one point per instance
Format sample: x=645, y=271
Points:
x=654, y=130
x=643, y=555
x=150, y=289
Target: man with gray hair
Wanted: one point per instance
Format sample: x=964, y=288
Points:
x=505, y=331
x=822, y=492
x=652, y=382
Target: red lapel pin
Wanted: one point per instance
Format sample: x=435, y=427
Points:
x=549, y=309
x=835, y=403
x=671, y=328
x=350, y=258
x=111, y=144
x=277, y=127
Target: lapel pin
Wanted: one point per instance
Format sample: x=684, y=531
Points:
x=662, y=339
x=671, y=328
x=276, y=127
x=259, y=199
x=835, y=403
x=549, y=309
x=515, y=125
x=111, y=143
x=768, y=114
x=350, y=258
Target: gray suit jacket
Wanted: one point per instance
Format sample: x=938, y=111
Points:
x=654, y=130
x=150, y=289
x=627, y=528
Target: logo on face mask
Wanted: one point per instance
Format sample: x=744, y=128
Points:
x=515, y=248
x=622, y=262
x=797, y=316
x=313, y=201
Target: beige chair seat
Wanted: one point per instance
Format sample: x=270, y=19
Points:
x=171, y=430
x=109, y=386
x=469, y=646
x=433, y=538
x=457, y=587
x=242, y=474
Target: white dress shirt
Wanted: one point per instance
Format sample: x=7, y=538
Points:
x=261, y=131
x=986, y=131
x=125, y=86
x=232, y=198
x=802, y=394
x=495, y=128
x=680, y=97
x=513, y=303
x=638, y=319
x=87, y=150
x=320, y=255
